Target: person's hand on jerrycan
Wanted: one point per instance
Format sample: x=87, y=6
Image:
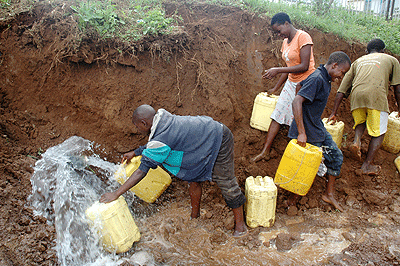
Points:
x=108, y=197
x=332, y=117
x=128, y=156
x=302, y=139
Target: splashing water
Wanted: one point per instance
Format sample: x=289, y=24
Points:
x=63, y=187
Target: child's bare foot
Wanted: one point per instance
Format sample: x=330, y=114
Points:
x=371, y=170
x=259, y=157
x=331, y=200
x=355, y=151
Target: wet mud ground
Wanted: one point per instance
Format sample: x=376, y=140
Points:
x=52, y=88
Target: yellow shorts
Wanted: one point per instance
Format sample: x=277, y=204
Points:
x=375, y=120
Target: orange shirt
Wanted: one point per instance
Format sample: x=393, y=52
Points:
x=291, y=54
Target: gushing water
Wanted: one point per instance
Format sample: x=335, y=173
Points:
x=63, y=186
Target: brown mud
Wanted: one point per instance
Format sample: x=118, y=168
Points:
x=53, y=87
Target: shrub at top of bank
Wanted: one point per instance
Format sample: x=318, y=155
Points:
x=130, y=22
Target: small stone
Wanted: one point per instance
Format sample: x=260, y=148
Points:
x=327, y=208
x=348, y=236
x=313, y=203
x=303, y=200
x=283, y=242
x=378, y=219
x=41, y=248
x=292, y=211
x=295, y=220
x=24, y=220
x=395, y=208
x=209, y=215
x=218, y=237
x=350, y=201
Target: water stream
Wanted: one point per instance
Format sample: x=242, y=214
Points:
x=63, y=187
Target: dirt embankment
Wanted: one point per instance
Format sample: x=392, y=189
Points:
x=53, y=87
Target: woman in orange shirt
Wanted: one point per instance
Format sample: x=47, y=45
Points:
x=298, y=54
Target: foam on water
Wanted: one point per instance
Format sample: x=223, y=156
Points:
x=63, y=187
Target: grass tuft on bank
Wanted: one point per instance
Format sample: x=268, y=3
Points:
x=351, y=26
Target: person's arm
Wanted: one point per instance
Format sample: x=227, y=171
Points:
x=133, y=180
x=129, y=155
x=298, y=87
x=338, y=99
x=297, y=107
x=397, y=96
x=279, y=84
x=305, y=55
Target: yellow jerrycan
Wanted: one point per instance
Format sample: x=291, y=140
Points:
x=391, y=141
x=298, y=167
x=260, y=206
x=397, y=163
x=264, y=105
x=151, y=186
x=115, y=224
x=335, y=129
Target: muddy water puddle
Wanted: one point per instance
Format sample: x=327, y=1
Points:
x=64, y=185
x=170, y=237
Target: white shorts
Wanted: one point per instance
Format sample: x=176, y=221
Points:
x=283, y=113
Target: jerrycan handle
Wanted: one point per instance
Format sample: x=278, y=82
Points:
x=271, y=95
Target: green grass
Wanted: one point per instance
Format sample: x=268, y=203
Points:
x=101, y=16
x=5, y=3
x=148, y=20
x=360, y=27
x=129, y=21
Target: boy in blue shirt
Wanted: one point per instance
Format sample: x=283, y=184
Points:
x=194, y=149
x=308, y=106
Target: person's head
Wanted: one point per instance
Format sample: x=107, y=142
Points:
x=142, y=118
x=281, y=24
x=375, y=45
x=338, y=64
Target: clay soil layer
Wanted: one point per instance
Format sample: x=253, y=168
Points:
x=52, y=88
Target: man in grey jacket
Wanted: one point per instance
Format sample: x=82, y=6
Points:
x=194, y=149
